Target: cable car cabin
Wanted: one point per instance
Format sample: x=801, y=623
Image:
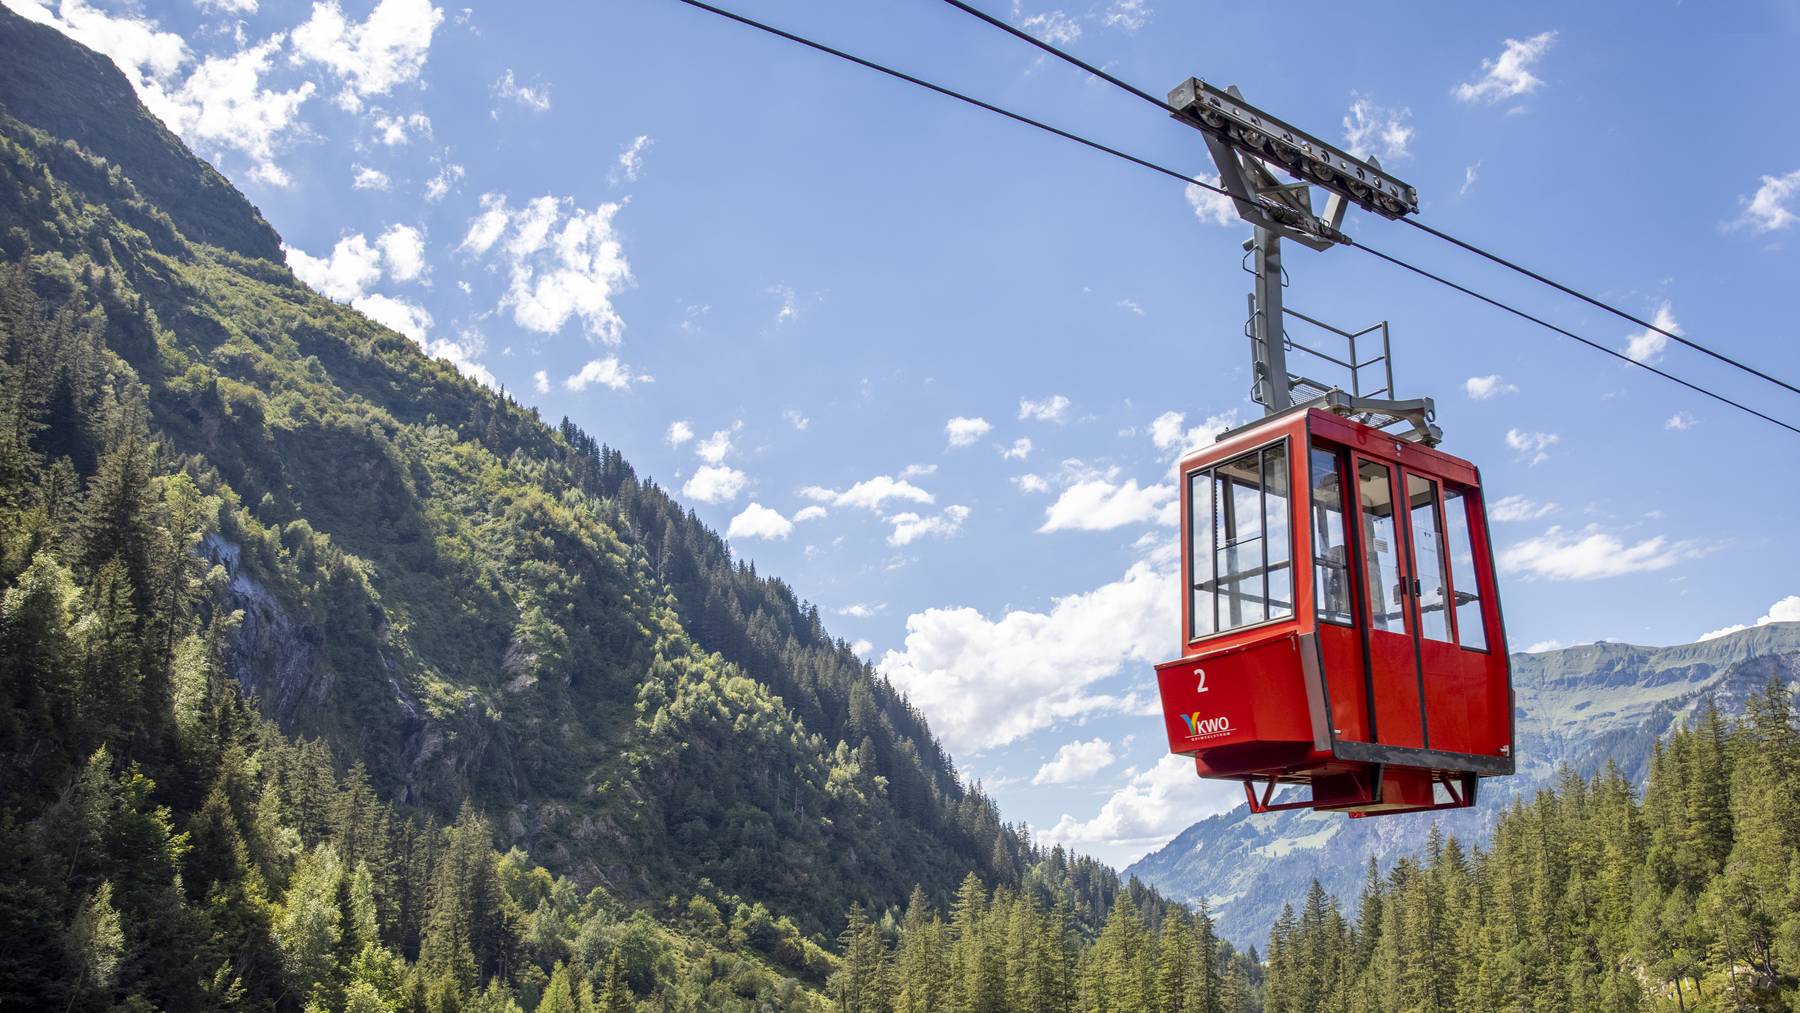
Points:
x=1341, y=627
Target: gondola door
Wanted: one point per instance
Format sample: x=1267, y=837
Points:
x=1390, y=621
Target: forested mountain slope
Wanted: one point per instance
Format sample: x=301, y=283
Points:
x=413, y=574
x=1579, y=708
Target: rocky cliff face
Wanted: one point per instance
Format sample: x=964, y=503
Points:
x=1578, y=709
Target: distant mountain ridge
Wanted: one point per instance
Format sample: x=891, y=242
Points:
x=1578, y=708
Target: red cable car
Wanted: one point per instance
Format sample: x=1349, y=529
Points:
x=1341, y=625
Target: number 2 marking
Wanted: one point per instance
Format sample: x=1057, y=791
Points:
x=1201, y=674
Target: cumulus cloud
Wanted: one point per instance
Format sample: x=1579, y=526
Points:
x=353, y=265
x=797, y=420
x=397, y=314
x=1075, y=762
x=608, y=372
x=1773, y=205
x=809, y=513
x=1054, y=408
x=909, y=527
x=1648, y=345
x=439, y=186
x=540, y=382
x=714, y=483
x=986, y=682
x=1593, y=553
x=863, y=610
x=1486, y=388
x=399, y=129
x=1148, y=811
x=679, y=432
x=869, y=494
x=1509, y=74
x=564, y=263
x=758, y=521
x=714, y=448
x=365, y=178
x=1101, y=505
x=962, y=432
x=1518, y=508
x=1210, y=206
x=403, y=251
x=1787, y=610
x=1371, y=129
x=1169, y=431
x=372, y=56
x=1019, y=451
x=1031, y=483
x=1534, y=447
x=1681, y=421
x=461, y=352
x=631, y=160
x=533, y=97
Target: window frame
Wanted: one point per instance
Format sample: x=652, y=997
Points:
x=1469, y=497
x=1348, y=519
x=1262, y=492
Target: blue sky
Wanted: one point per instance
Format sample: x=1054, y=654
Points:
x=933, y=367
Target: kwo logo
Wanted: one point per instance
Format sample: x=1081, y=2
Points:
x=1205, y=728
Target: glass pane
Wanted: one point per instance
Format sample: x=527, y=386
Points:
x=1381, y=552
x=1331, y=553
x=1471, y=629
x=1200, y=554
x=1275, y=531
x=1428, y=558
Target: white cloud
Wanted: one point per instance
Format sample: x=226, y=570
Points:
x=1149, y=810
x=1031, y=483
x=1518, y=508
x=1509, y=74
x=789, y=308
x=403, y=250
x=1648, y=345
x=910, y=527
x=1535, y=446
x=714, y=448
x=795, y=419
x=1075, y=762
x=397, y=314
x=918, y=470
x=1681, y=421
x=1773, y=205
x=963, y=431
x=1485, y=388
x=870, y=493
x=679, y=432
x=1787, y=610
x=1592, y=553
x=863, y=610
x=533, y=97
x=1209, y=206
x=861, y=648
x=607, y=372
x=564, y=263
x=373, y=56
x=540, y=382
x=461, y=353
x=1129, y=15
x=1054, y=408
x=987, y=682
x=353, y=265
x=1383, y=131
x=366, y=178
x=1470, y=175
x=1167, y=431
x=1053, y=27
x=1019, y=451
x=631, y=160
x=1544, y=645
x=1131, y=306
x=227, y=6
x=758, y=521
x=1100, y=505
x=712, y=483
x=397, y=130
x=809, y=513
x=438, y=186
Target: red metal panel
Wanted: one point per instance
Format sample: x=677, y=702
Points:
x=1340, y=650
x=1252, y=694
